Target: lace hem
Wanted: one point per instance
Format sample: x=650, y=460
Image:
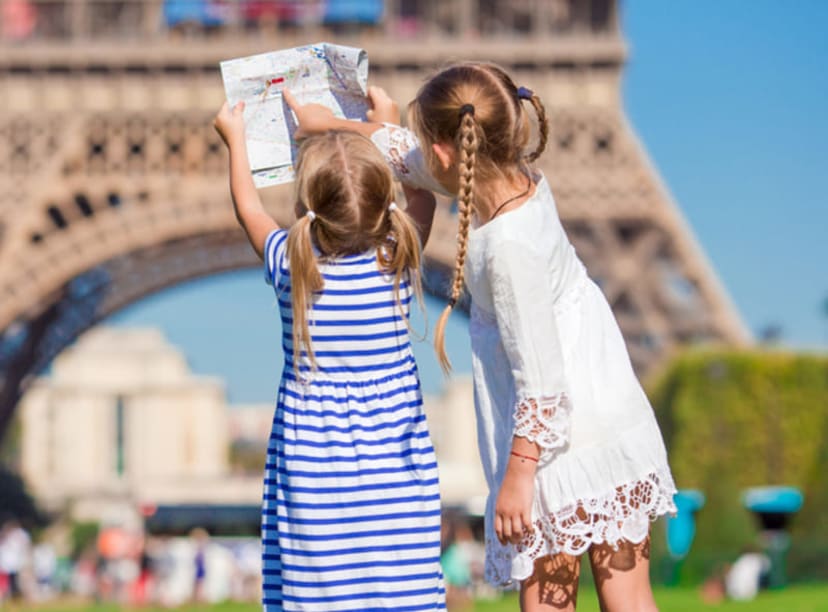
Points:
x=544, y=421
x=623, y=515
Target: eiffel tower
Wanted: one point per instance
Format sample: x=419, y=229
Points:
x=113, y=184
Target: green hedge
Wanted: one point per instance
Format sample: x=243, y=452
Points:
x=733, y=420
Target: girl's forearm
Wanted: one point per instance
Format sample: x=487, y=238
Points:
x=522, y=446
x=246, y=198
x=366, y=128
x=247, y=204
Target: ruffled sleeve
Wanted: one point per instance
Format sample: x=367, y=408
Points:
x=523, y=303
x=402, y=151
x=274, y=256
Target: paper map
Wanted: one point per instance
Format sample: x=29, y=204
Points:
x=333, y=75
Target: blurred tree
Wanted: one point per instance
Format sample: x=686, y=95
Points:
x=83, y=536
x=16, y=503
x=733, y=420
x=10, y=444
x=248, y=456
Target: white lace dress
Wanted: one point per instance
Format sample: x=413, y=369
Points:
x=550, y=365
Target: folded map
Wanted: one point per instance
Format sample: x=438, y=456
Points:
x=333, y=75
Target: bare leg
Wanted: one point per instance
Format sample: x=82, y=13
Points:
x=622, y=577
x=553, y=586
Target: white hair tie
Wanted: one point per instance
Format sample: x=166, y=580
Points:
x=392, y=207
x=310, y=215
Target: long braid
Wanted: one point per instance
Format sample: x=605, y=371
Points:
x=468, y=142
x=543, y=128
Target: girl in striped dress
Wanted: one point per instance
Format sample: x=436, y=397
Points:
x=351, y=512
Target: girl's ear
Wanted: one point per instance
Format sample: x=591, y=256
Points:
x=445, y=154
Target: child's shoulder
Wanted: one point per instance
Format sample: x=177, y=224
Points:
x=353, y=262
x=273, y=255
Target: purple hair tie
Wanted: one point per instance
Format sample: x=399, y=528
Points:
x=524, y=93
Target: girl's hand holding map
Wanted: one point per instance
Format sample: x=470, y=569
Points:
x=310, y=118
x=316, y=118
x=229, y=123
x=383, y=108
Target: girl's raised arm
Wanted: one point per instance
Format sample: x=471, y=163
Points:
x=253, y=218
x=314, y=119
x=398, y=145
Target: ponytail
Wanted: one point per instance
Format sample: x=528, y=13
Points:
x=405, y=254
x=468, y=140
x=543, y=127
x=305, y=279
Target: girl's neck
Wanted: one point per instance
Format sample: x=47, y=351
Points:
x=501, y=194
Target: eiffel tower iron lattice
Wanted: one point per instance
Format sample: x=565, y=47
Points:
x=113, y=183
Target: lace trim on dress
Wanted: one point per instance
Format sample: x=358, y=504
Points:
x=401, y=149
x=401, y=143
x=544, y=420
x=623, y=515
x=396, y=144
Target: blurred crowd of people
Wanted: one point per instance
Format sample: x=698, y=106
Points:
x=281, y=12
x=741, y=580
x=130, y=568
x=463, y=560
x=15, y=557
x=23, y=19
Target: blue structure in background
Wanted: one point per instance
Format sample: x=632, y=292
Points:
x=353, y=11
x=681, y=529
x=776, y=504
x=203, y=12
x=211, y=13
x=774, y=507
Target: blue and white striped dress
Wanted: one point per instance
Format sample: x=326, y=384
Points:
x=351, y=513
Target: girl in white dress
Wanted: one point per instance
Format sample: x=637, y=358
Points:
x=570, y=447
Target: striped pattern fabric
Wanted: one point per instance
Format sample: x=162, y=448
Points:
x=351, y=512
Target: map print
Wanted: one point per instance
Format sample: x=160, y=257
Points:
x=333, y=75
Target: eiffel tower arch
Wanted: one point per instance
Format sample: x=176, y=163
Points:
x=113, y=183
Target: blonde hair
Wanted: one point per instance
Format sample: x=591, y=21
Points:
x=476, y=106
x=344, y=181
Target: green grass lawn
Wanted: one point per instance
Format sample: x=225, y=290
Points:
x=795, y=599
x=804, y=598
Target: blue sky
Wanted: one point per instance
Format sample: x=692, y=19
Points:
x=729, y=99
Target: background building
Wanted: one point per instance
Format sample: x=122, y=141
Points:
x=121, y=423
x=453, y=427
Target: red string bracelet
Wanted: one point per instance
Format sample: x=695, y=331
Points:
x=535, y=459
